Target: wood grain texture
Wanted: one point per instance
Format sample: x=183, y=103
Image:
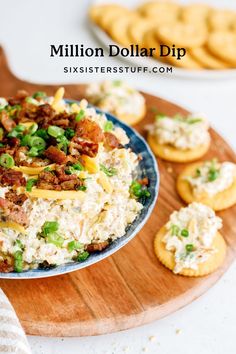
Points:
x=129, y=288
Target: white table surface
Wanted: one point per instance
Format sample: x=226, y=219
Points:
x=27, y=28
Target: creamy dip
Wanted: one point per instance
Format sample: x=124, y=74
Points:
x=190, y=233
x=180, y=132
x=212, y=177
x=116, y=97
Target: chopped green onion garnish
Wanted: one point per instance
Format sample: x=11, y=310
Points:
x=37, y=142
x=33, y=128
x=108, y=126
x=83, y=256
x=160, y=116
x=42, y=133
x=33, y=152
x=16, y=132
x=50, y=227
x=138, y=191
x=194, y=120
x=78, y=166
x=55, y=131
x=56, y=239
x=18, y=261
x=30, y=183
x=198, y=172
x=213, y=175
x=80, y=115
x=1, y=145
x=31, y=100
x=18, y=243
x=1, y=133
x=63, y=143
x=117, y=83
x=175, y=230
x=69, y=133
x=39, y=94
x=189, y=247
x=25, y=140
x=82, y=188
x=184, y=233
x=109, y=171
x=7, y=161
x=74, y=245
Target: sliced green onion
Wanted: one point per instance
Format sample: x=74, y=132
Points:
x=78, y=166
x=42, y=133
x=19, y=244
x=74, y=245
x=18, y=261
x=1, y=145
x=55, y=131
x=37, y=142
x=80, y=115
x=198, y=172
x=194, y=120
x=138, y=191
x=108, y=126
x=31, y=100
x=184, y=233
x=7, y=161
x=25, y=140
x=82, y=188
x=55, y=239
x=30, y=183
x=33, y=128
x=159, y=116
x=109, y=171
x=33, y=152
x=83, y=256
x=63, y=143
x=189, y=247
x=117, y=83
x=39, y=94
x=17, y=131
x=213, y=174
x=69, y=133
x=1, y=133
x=175, y=230
x=50, y=227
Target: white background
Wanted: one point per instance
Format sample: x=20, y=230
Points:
x=27, y=28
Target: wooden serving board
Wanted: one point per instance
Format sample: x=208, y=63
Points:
x=129, y=288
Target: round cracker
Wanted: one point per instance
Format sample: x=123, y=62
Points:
x=186, y=62
x=219, y=201
x=170, y=153
x=119, y=29
x=223, y=45
x=109, y=15
x=130, y=119
x=195, y=13
x=185, y=35
x=138, y=28
x=214, y=261
x=205, y=58
x=162, y=11
x=100, y=14
x=222, y=19
x=150, y=41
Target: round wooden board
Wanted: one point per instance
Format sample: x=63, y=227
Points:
x=129, y=288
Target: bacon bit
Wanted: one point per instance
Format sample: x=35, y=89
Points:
x=78, y=147
x=7, y=123
x=94, y=247
x=89, y=130
x=111, y=141
x=18, y=98
x=9, y=177
x=144, y=181
x=13, y=212
x=15, y=198
x=7, y=265
x=55, y=155
x=14, y=142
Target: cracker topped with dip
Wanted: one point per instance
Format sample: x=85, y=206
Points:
x=190, y=243
x=118, y=98
x=210, y=182
x=179, y=138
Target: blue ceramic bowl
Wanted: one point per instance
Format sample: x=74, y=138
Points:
x=147, y=167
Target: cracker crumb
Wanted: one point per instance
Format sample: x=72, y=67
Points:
x=178, y=331
x=152, y=338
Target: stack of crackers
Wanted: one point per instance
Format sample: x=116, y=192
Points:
x=208, y=34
